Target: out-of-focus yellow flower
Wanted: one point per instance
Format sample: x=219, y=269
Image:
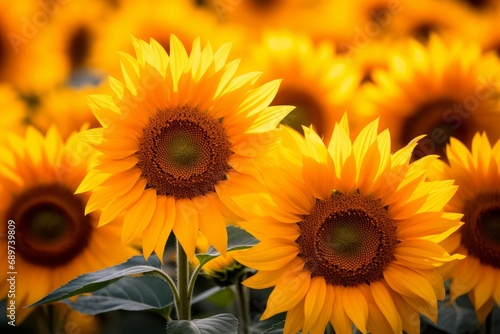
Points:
x=489, y=34
x=442, y=90
x=348, y=233
x=371, y=57
x=315, y=80
x=157, y=20
x=262, y=13
x=421, y=19
x=72, y=35
x=19, y=30
x=67, y=108
x=14, y=114
x=54, y=240
x=178, y=129
x=223, y=269
x=477, y=174
x=481, y=7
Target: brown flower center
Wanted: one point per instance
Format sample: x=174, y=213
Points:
x=307, y=109
x=439, y=120
x=347, y=239
x=481, y=231
x=423, y=31
x=184, y=153
x=479, y=4
x=79, y=46
x=51, y=226
x=264, y=5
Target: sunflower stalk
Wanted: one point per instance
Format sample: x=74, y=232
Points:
x=183, y=306
x=242, y=306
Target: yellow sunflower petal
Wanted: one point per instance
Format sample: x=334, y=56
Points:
x=186, y=226
x=409, y=283
x=167, y=226
x=212, y=225
x=314, y=301
x=294, y=319
x=269, y=254
x=152, y=232
x=384, y=301
x=138, y=216
x=339, y=319
x=288, y=293
x=356, y=307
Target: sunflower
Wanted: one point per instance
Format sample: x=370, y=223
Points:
x=262, y=13
x=414, y=19
x=179, y=129
x=488, y=34
x=157, y=20
x=477, y=173
x=54, y=240
x=481, y=6
x=15, y=111
x=223, y=269
x=442, y=90
x=348, y=233
x=72, y=36
x=67, y=108
x=315, y=80
x=19, y=56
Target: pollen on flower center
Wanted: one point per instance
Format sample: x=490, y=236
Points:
x=347, y=239
x=481, y=232
x=183, y=152
x=52, y=228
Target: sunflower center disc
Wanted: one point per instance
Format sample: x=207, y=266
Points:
x=481, y=231
x=347, y=239
x=52, y=228
x=440, y=120
x=183, y=153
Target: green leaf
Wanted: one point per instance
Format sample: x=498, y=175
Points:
x=206, y=294
x=97, y=280
x=137, y=293
x=223, y=298
x=453, y=319
x=237, y=238
x=275, y=329
x=218, y=324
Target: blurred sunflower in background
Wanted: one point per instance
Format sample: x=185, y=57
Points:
x=317, y=82
x=179, y=128
x=442, y=90
x=349, y=233
x=477, y=173
x=55, y=240
x=67, y=108
x=157, y=20
x=416, y=19
x=17, y=113
x=223, y=270
x=72, y=36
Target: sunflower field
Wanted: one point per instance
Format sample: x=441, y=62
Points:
x=250, y=166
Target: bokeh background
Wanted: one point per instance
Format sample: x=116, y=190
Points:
x=419, y=65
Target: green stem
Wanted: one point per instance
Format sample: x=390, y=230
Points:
x=184, y=305
x=243, y=311
x=173, y=287
x=192, y=281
